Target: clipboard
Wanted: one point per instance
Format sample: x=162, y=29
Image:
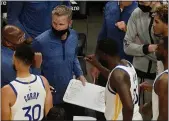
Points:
x=90, y=96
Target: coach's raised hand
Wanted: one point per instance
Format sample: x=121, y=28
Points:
x=121, y=25
x=37, y=60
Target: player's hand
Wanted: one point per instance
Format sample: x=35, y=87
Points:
x=92, y=60
x=146, y=108
x=37, y=60
x=146, y=86
x=94, y=73
x=52, y=89
x=82, y=79
x=121, y=25
x=152, y=48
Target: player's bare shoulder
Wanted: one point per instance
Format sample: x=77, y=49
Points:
x=8, y=94
x=118, y=72
x=7, y=89
x=119, y=75
x=162, y=79
x=161, y=82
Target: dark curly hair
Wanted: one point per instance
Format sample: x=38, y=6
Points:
x=162, y=12
x=25, y=54
x=108, y=46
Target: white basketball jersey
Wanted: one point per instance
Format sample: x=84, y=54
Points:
x=30, y=98
x=155, y=105
x=113, y=103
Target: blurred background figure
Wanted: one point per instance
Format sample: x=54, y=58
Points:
x=141, y=43
x=3, y=13
x=32, y=17
x=12, y=37
x=160, y=27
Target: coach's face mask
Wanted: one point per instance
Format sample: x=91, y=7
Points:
x=144, y=8
x=59, y=33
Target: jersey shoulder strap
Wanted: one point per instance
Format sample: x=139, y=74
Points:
x=158, y=76
x=42, y=81
x=13, y=88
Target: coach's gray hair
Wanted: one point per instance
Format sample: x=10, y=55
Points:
x=62, y=10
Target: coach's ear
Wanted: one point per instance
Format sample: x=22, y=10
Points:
x=70, y=23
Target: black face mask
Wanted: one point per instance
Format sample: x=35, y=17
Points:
x=59, y=33
x=145, y=8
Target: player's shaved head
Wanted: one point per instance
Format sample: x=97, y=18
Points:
x=12, y=35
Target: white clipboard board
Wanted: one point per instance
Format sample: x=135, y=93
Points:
x=89, y=96
x=83, y=118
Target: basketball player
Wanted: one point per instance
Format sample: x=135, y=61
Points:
x=160, y=87
x=28, y=97
x=121, y=95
